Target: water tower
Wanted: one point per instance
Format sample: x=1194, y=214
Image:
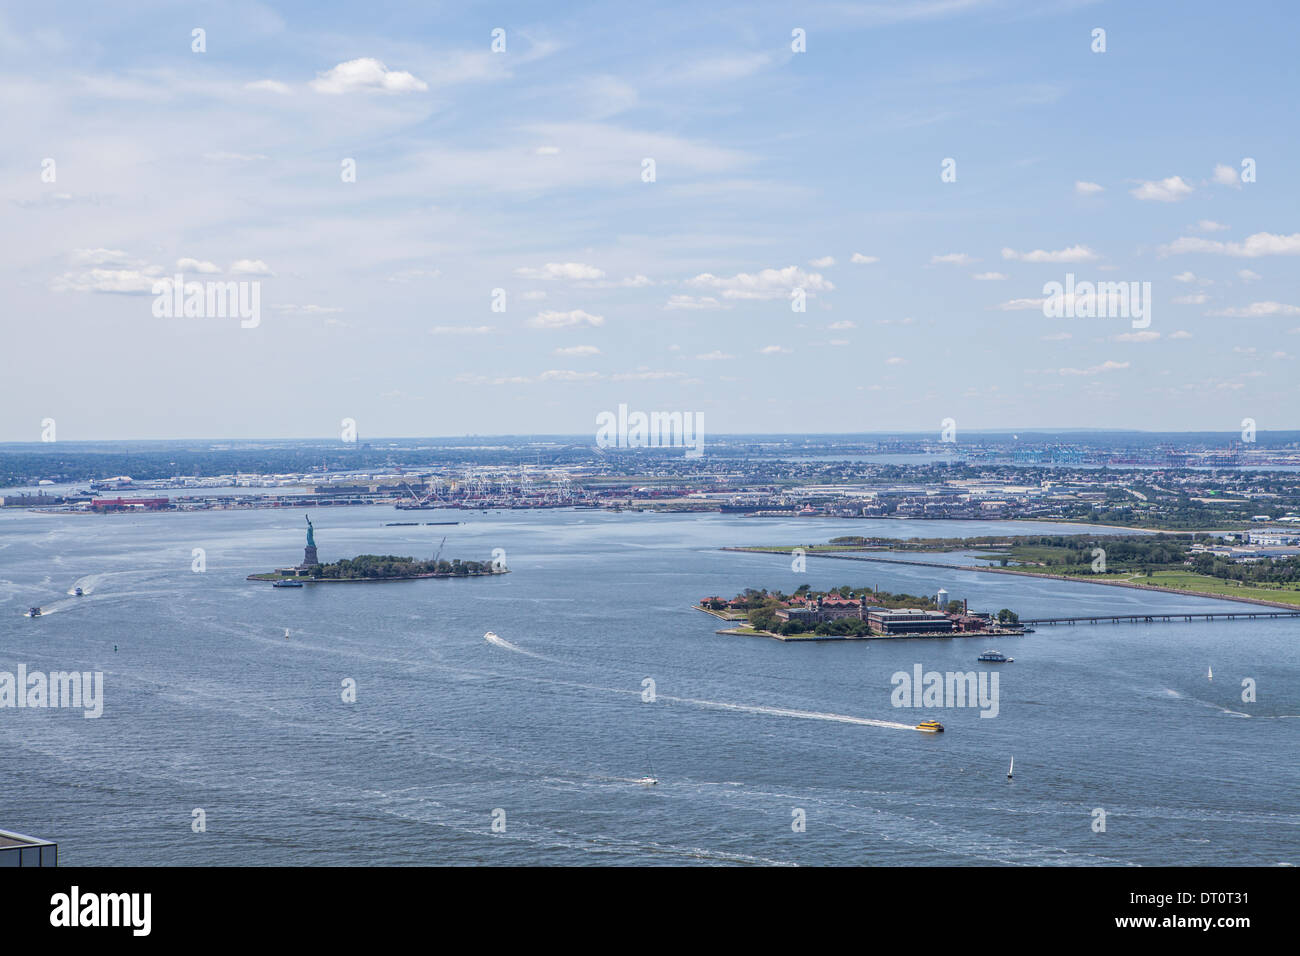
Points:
x=941, y=599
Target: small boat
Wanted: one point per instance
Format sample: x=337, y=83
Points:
x=996, y=657
x=77, y=592
x=930, y=727
x=1011, y=769
x=647, y=781
x=34, y=612
x=286, y=584
x=1211, y=675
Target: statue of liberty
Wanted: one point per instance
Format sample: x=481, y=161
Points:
x=311, y=535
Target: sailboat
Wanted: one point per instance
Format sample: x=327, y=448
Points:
x=1012, y=769
x=1210, y=676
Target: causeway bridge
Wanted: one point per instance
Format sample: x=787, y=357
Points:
x=1160, y=616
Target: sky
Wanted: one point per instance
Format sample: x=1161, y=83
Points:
x=449, y=239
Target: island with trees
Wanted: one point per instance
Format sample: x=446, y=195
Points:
x=381, y=567
x=849, y=613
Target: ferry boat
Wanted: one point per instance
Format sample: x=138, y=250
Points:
x=996, y=657
x=930, y=727
x=286, y=584
x=34, y=612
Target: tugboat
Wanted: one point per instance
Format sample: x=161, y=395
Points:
x=286, y=584
x=34, y=612
x=930, y=727
x=996, y=657
x=77, y=592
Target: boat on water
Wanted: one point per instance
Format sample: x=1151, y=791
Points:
x=648, y=781
x=286, y=584
x=77, y=592
x=930, y=727
x=1011, y=769
x=34, y=612
x=1211, y=674
x=996, y=657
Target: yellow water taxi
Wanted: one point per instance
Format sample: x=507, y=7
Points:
x=930, y=727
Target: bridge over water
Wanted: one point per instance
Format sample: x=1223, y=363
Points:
x=1160, y=616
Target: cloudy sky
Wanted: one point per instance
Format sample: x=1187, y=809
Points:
x=387, y=177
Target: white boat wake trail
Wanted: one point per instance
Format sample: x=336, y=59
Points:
x=492, y=638
x=786, y=712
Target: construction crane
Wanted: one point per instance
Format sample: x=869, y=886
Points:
x=439, y=553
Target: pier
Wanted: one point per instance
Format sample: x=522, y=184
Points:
x=1160, y=616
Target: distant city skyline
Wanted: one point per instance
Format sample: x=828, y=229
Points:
x=921, y=170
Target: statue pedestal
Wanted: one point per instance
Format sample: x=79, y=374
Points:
x=309, y=556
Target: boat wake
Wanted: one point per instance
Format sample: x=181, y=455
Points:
x=491, y=638
x=787, y=712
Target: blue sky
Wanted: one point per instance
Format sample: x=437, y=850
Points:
x=522, y=171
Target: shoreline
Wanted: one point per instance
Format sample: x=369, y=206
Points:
x=262, y=578
x=1291, y=606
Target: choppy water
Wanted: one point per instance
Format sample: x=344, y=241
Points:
x=209, y=706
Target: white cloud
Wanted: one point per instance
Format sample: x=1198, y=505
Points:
x=1070, y=254
x=825, y=262
x=130, y=281
x=409, y=275
x=989, y=276
x=1137, y=337
x=269, y=86
x=1225, y=175
x=250, y=267
x=714, y=356
x=694, y=303
x=1057, y=337
x=1209, y=225
x=1260, y=308
x=774, y=350
x=1191, y=277
x=1181, y=334
x=953, y=258
x=578, y=351
x=1196, y=298
x=547, y=150
x=1107, y=366
x=561, y=270
x=859, y=259
x=567, y=375
x=551, y=319
x=895, y=360
x=1248, y=275
x=1260, y=244
x=1087, y=189
x=196, y=265
x=460, y=330
x=1172, y=189
x=366, y=75
x=842, y=326
x=1020, y=305
x=767, y=284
